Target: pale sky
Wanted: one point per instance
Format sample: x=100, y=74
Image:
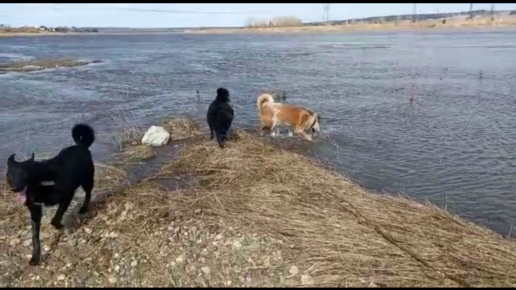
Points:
x=191, y=15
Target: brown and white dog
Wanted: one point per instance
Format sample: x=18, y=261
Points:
x=298, y=119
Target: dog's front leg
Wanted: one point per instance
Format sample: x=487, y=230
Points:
x=36, y=213
x=275, y=132
x=304, y=135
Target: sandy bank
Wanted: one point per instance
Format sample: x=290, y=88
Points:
x=252, y=214
x=41, y=64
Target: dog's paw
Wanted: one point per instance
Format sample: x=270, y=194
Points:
x=57, y=225
x=83, y=210
x=34, y=261
x=84, y=217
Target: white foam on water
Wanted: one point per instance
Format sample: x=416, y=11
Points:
x=16, y=56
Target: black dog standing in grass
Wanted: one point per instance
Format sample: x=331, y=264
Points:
x=220, y=116
x=71, y=168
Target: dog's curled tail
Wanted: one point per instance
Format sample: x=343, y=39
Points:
x=262, y=99
x=83, y=135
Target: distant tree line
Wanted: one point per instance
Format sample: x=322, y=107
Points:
x=30, y=29
x=282, y=21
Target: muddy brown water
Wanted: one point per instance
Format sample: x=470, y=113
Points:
x=454, y=144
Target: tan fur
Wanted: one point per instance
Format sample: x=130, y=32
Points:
x=274, y=114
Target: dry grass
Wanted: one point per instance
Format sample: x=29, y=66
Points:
x=131, y=133
x=182, y=127
x=135, y=155
x=336, y=231
x=256, y=215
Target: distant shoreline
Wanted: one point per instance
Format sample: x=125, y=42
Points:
x=451, y=23
x=484, y=22
x=14, y=34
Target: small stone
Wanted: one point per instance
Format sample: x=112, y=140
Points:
x=14, y=242
x=113, y=235
x=197, y=211
x=61, y=277
x=112, y=279
x=237, y=245
x=180, y=259
x=87, y=230
x=72, y=242
x=134, y=143
x=218, y=237
x=134, y=263
x=206, y=270
x=293, y=270
x=117, y=268
x=27, y=243
x=307, y=280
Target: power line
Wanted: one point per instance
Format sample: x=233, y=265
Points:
x=326, y=15
x=189, y=11
x=414, y=12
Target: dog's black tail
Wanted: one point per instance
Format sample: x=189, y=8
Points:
x=83, y=135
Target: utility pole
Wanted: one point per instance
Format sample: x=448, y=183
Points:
x=470, y=11
x=326, y=13
x=414, y=13
x=492, y=12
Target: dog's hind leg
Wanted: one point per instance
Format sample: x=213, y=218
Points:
x=36, y=214
x=221, y=138
x=211, y=133
x=88, y=187
x=63, y=207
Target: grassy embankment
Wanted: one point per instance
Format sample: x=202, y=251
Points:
x=456, y=22
x=252, y=214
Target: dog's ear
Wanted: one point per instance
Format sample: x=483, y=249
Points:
x=32, y=157
x=11, y=159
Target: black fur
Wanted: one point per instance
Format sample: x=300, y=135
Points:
x=71, y=168
x=220, y=116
